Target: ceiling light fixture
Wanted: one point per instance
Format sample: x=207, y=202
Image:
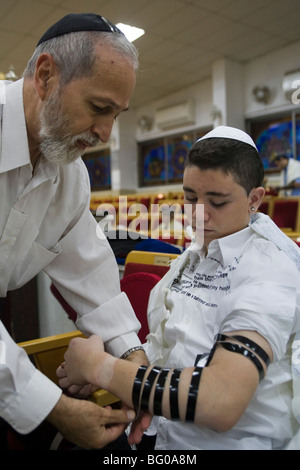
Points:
x=131, y=32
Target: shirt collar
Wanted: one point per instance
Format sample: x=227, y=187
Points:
x=226, y=249
x=15, y=151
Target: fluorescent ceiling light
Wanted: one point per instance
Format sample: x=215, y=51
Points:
x=131, y=32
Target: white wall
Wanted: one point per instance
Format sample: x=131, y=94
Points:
x=200, y=94
x=269, y=70
x=230, y=89
x=127, y=155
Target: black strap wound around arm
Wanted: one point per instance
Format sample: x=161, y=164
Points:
x=238, y=348
x=249, y=344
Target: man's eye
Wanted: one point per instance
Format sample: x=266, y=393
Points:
x=105, y=110
x=98, y=109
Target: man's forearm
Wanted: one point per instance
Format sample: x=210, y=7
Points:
x=138, y=356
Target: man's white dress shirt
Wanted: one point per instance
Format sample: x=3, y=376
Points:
x=291, y=173
x=45, y=224
x=244, y=282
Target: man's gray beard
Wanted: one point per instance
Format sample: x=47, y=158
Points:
x=57, y=145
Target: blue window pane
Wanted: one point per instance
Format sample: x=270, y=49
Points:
x=177, y=153
x=298, y=139
x=275, y=138
x=153, y=165
x=98, y=167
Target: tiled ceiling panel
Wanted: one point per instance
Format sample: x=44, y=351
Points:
x=183, y=37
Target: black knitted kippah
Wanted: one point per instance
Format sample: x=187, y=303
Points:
x=79, y=22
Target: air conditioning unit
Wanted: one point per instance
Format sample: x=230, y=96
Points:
x=177, y=115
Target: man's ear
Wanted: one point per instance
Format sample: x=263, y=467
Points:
x=46, y=75
x=255, y=197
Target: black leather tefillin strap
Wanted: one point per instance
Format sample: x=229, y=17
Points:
x=174, y=385
x=136, y=390
x=193, y=393
x=141, y=393
x=238, y=348
x=159, y=389
x=142, y=390
x=148, y=387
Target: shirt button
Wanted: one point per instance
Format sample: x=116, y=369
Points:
x=7, y=241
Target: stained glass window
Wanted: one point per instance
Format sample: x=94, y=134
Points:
x=161, y=161
x=278, y=135
x=98, y=166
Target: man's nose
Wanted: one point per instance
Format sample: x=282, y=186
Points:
x=102, y=128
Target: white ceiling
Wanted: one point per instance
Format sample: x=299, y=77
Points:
x=183, y=37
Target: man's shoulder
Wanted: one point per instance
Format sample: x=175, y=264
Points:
x=75, y=174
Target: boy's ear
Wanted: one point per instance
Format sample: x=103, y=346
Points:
x=46, y=75
x=256, y=196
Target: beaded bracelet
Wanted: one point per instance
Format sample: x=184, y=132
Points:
x=130, y=351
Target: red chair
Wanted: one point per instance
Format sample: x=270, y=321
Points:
x=138, y=286
x=264, y=207
x=285, y=213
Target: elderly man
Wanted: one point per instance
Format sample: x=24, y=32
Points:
x=79, y=79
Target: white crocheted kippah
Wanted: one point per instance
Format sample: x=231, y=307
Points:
x=229, y=133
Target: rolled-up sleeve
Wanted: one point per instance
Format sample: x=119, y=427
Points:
x=87, y=276
x=274, y=318
x=27, y=396
x=265, y=297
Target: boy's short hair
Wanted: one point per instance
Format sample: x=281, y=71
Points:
x=234, y=157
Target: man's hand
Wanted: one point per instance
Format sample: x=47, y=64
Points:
x=84, y=365
x=88, y=425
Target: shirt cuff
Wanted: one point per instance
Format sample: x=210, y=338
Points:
x=119, y=346
x=33, y=404
x=115, y=322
